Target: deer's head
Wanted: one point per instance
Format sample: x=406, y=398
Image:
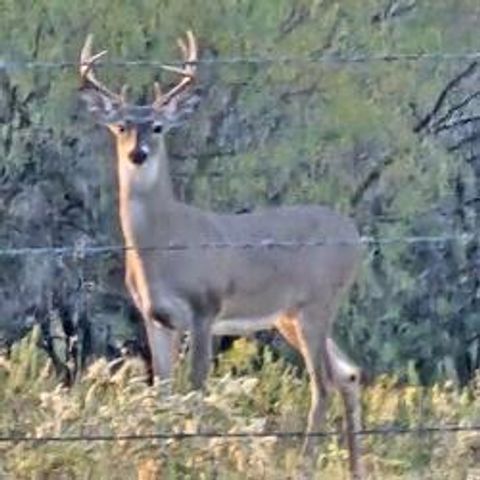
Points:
x=138, y=129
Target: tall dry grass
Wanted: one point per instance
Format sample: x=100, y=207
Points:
x=118, y=401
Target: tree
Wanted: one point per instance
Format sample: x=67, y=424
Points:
x=364, y=136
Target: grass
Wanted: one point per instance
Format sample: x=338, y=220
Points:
x=111, y=400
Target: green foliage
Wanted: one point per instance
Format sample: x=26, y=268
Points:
x=268, y=133
x=300, y=131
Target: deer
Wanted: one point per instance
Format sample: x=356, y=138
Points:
x=180, y=282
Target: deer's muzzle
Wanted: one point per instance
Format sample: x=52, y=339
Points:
x=138, y=156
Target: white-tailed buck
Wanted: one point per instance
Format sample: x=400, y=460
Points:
x=219, y=291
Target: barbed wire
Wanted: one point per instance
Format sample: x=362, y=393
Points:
x=233, y=435
x=266, y=243
x=334, y=59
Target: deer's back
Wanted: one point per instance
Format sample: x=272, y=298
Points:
x=290, y=256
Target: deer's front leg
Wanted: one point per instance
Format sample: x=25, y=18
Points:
x=163, y=342
x=201, y=353
x=166, y=318
x=132, y=289
x=164, y=346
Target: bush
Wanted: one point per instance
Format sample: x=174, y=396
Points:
x=116, y=401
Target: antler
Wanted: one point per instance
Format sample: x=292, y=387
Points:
x=87, y=61
x=189, y=51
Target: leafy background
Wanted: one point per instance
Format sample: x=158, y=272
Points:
x=394, y=144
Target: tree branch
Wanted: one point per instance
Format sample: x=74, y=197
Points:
x=424, y=123
x=372, y=178
x=468, y=139
x=457, y=123
x=455, y=109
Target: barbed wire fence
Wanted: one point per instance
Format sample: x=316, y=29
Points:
x=267, y=243
x=11, y=66
x=424, y=430
x=334, y=59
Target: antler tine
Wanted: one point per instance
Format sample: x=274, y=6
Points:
x=87, y=61
x=189, y=56
x=157, y=89
x=183, y=47
x=124, y=92
x=189, y=51
x=192, y=46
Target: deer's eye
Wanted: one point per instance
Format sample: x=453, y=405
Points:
x=157, y=128
x=121, y=128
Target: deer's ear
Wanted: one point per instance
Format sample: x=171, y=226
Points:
x=178, y=109
x=100, y=106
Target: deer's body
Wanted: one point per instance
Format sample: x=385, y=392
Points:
x=209, y=273
x=247, y=279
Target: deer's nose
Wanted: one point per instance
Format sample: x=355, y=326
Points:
x=138, y=155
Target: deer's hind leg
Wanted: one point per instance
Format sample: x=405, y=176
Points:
x=305, y=337
x=346, y=378
x=327, y=367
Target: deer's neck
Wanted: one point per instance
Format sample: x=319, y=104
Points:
x=144, y=193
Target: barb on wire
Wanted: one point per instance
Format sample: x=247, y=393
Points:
x=233, y=435
x=267, y=243
x=257, y=60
